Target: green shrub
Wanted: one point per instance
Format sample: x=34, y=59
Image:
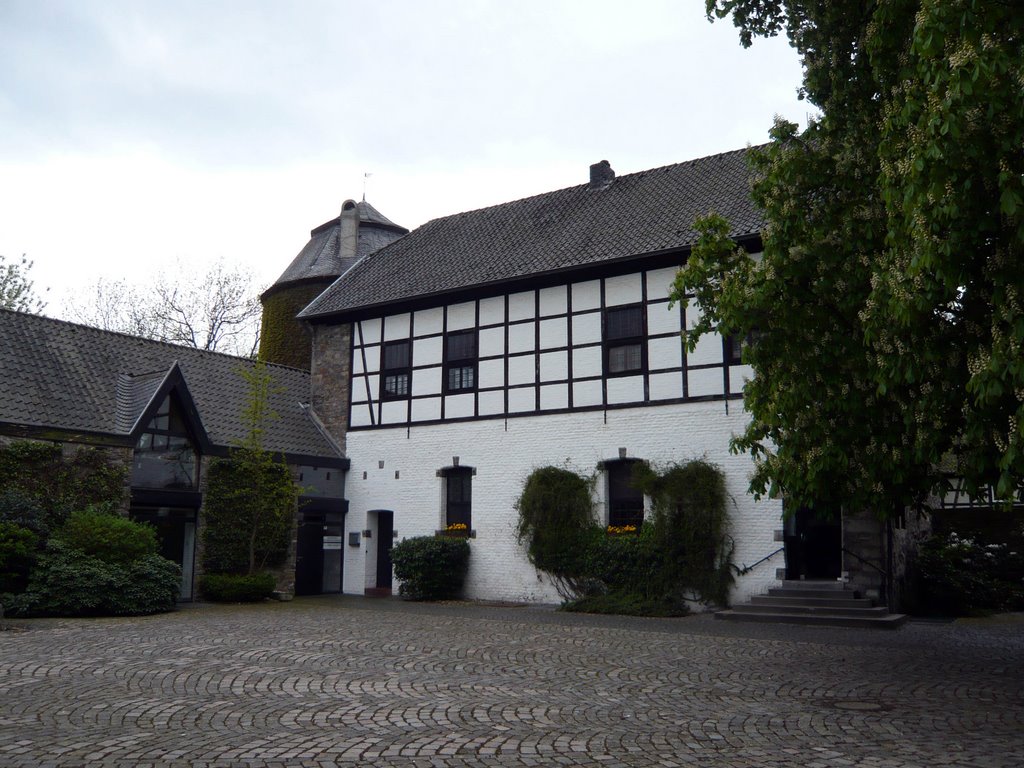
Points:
x=235, y=588
x=67, y=582
x=962, y=576
x=107, y=537
x=431, y=568
x=17, y=554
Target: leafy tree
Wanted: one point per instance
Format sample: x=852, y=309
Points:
x=251, y=496
x=16, y=290
x=886, y=306
x=218, y=310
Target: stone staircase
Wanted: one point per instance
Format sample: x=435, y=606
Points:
x=822, y=603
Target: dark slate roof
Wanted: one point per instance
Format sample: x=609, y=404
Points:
x=72, y=378
x=639, y=213
x=322, y=256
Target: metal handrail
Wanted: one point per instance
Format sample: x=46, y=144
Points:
x=870, y=564
x=748, y=568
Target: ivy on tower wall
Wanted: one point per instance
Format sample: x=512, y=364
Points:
x=284, y=340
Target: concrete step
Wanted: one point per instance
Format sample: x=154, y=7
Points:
x=886, y=621
x=819, y=610
x=821, y=602
x=808, y=592
x=832, y=584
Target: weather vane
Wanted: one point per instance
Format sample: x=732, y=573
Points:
x=365, y=177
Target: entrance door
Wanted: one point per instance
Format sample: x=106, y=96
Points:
x=176, y=532
x=814, y=545
x=318, y=553
x=385, y=540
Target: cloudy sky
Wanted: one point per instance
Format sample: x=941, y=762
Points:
x=137, y=134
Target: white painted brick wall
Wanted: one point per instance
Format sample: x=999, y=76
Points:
x=505, y=453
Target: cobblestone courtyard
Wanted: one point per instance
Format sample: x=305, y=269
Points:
x=325, y=681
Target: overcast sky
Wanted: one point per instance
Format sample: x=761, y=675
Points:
x=136, y=133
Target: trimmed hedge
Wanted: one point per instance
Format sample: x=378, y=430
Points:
x=431, y=568
x=235, y=588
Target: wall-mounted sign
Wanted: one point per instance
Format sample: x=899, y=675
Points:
x=332, y=542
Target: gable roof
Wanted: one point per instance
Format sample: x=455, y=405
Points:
x=640, y=213
x=65, y=379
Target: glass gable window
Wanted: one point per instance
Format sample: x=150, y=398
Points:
x=165, y=456
x=460, y=361
x=396, y=370
x=624, y=340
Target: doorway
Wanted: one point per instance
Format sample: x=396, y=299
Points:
x=385, y=540
x=176, y=532
x=318, y=553
x=814, y=544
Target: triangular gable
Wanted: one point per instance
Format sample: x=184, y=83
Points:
x=172, y=382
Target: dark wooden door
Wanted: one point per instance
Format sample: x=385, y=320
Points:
x=814, y=544
x=309, y=556
x=385, y=527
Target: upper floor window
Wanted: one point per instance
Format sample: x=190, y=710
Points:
x=625, y=500
x=396, y=370
x=460, y=361
x=164, y=456
x=624, y=347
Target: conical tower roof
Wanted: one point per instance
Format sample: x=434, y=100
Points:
x=337, y=244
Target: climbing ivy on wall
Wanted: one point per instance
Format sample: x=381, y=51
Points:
x=283, y=339
x=681, y=555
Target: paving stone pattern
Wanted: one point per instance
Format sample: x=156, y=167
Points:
x=339, y=681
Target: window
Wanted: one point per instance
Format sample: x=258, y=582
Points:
x=458, y=497
x=625, y=502
x=624, y=340
x=164, y=457
x=460, y=361
x=396, y=371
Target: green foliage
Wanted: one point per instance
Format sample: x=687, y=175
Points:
x=431, y=568
x=108, y=537
x=251, y=498
x=249, y=510
x=886, y=309
x=681, y=555
x=17, y=555
x=236, y=588
x=957, y=576
x=40, y=486
x=16, y=290
x=555, y=518
x=67, y=582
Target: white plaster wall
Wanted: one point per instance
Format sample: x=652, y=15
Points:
x=504, y=453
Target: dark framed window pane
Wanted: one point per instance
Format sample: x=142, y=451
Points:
x=628, y=357
x=396, y=385
x=461, y=377
x=624, y=323
x=396, y=355
x=461, y=346
x=625, y=502
x=459, y=497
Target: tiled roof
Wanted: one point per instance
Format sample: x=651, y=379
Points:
x=636, y=214
x=72, y=378
x=323, y=256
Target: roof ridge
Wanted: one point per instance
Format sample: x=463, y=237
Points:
x=146, y=339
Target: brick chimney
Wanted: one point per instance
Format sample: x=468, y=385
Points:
x=601, y=175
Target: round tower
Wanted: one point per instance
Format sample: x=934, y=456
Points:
x=333, y=248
